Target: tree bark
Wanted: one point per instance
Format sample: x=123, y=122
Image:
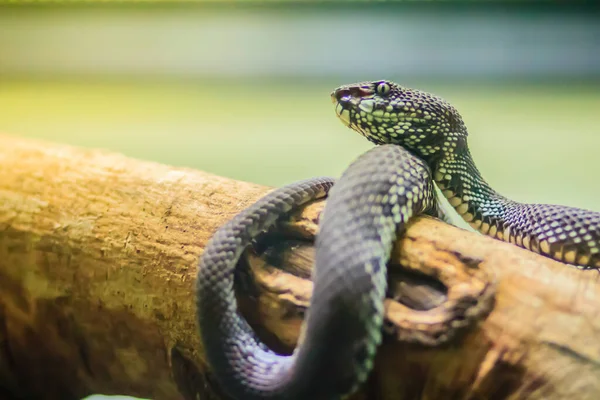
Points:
x=98, y=257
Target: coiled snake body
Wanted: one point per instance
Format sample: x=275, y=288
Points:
x=422, y=139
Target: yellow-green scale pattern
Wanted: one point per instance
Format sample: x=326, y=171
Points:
x=432, y=129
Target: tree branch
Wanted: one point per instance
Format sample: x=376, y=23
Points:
x=98, y=257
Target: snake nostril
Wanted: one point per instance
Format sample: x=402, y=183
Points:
x=341, y=94
x=348, y=93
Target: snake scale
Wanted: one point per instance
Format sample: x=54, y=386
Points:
x=422, y=139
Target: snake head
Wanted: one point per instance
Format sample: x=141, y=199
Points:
x=385, y=112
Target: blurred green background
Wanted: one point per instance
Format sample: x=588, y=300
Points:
x=241, y=89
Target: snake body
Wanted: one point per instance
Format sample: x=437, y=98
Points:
x=422, y=139
x=433, y=130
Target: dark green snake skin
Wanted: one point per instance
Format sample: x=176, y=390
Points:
x=366, y=209
x=434, y=131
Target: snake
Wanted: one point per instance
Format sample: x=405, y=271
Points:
x=421, y=143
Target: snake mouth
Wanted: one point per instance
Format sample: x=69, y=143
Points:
x=358, y=107
x=348, y=102
x=343, y=113
x=348, y=107
x=350, y=117
x=361, y=114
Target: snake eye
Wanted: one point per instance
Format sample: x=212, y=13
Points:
x=383, y=88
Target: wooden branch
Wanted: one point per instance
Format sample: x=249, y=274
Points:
x=98, y=258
